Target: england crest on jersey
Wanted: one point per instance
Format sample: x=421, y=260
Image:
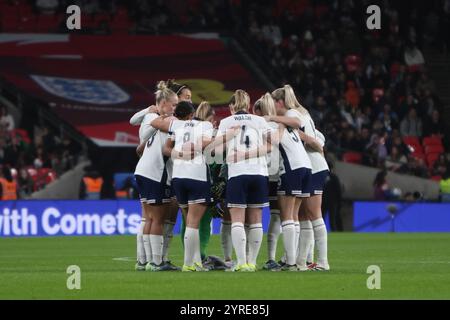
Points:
x=102, y=92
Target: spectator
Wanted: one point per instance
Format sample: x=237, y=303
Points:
x=47, y=6
x=395, y=161
x=440, y=166
x=411, y=125
x=91, y=185
x=8, y=187
x=332, y=199
x=434, y=125
x=25, y=183
x=6, y=120
x=413, y=56
x=382, y=191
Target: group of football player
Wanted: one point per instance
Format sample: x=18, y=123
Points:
x=268, y=154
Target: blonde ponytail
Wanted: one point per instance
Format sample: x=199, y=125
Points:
x=204, y=111
x=163, y=92
x=266, y=105
x=240, y=101
x=287, y=95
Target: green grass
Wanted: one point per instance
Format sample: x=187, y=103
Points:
x=413, y=266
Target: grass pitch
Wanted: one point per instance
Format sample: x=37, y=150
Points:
x=413, y=266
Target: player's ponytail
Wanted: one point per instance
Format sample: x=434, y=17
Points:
x=204, y=111
x=287, y=95
x=290, y=100
x=176, y=87
x=163, y=92
x=266, y=105
x=240, y=101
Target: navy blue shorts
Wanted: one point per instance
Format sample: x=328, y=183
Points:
x=273, y=188
x=248, y=191
x=316, y=183
x=152, y=192
x=294, y=182
x=189, y=191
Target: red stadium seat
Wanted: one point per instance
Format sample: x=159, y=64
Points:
x=47, y=23
x=352, y=157
x=436, y=178
x=431, y=159
x=8, y=11
x=27, y=24
x=99, y=18
x=434, y=149
x=412, y=141
x=9, y=23
x=432, y=141
x=352, y=63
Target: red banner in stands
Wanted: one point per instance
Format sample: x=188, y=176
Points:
x=97, y=82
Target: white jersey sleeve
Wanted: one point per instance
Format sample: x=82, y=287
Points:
x=137, y=118
x=318, y=161
x=320, y=137
x=292, y=113
x=146, y=130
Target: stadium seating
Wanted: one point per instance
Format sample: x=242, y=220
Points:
x=432, y=141
x=352, y=157
x=434, y=149
x=431, y=159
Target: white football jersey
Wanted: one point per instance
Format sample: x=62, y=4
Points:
x=274, y=158
x=253, y=128
x=318, y=161
x=146, y=130
x=184, y=133
x=152, y=163
x=293, y=151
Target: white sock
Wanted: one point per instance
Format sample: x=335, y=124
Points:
x=310, y=257
x=306, y=237
x=239, y=240
x=225, y=236
x=297, y=235
x=273, y=233
x=255, y=237
x=141, y=256
x=147, y=247
x=288, y=232
x=191, y=245
x=247, y=249
x=168, y=235
x=157, y=241
x=321, y=239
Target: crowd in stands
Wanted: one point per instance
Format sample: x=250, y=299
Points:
x=369, y=91
x=34, y=158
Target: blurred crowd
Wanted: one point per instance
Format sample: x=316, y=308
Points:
x=34, y=158
x=366, y=90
